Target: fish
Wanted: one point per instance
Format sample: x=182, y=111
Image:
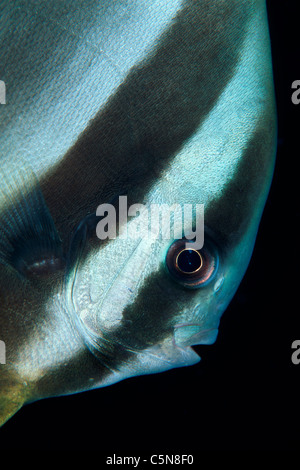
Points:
x=156, y=103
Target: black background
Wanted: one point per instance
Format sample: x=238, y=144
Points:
x=244, y=394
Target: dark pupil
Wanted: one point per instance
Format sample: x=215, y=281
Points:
x=189, y=261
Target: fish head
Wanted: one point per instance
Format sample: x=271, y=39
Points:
x=142, y=298
x=141, y=302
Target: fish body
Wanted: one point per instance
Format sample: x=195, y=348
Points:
x=166, y=103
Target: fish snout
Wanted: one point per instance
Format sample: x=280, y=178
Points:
x=194, y=334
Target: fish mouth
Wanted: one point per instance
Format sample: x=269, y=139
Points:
x=193, y=334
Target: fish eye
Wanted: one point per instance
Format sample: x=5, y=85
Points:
x=189, y=261
x=191, y=267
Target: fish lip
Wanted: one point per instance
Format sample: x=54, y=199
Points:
x=202, y=336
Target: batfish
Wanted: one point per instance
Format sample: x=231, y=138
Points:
x=153, y=103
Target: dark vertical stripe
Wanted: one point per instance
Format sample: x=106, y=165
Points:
x=160, y=104
x=243, y=195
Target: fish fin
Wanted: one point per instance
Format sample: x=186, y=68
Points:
x=29, y=241
x=13, y=394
